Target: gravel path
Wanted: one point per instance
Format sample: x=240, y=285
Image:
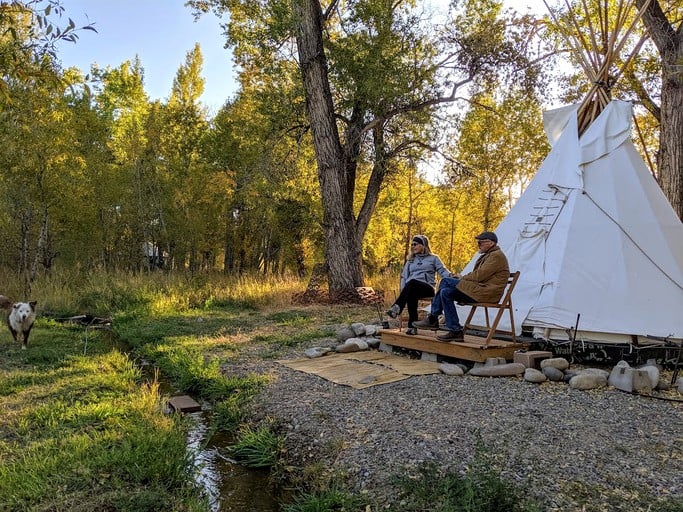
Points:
x=601, y=450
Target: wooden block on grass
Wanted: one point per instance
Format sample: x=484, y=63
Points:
x=184, y=403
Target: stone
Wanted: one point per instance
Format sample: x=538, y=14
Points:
x=663, y=385
x=595, y=371
x=427, y=356
x=344, y=334
x=680, y=385
x=371, y=330
x=555, y=362
x=569, y=374
x=358, y=328
x=653, y=373
x=621, y=377
x=653, y=362
x=383, y=347
x=314, y=352
x=641, y=381
x=491, y=361
x=533, y=375
x=553, y=374
x=586, y=381
x=499, y=370
x=451, y=369
x=347, y=348
x=352, y=345
x=372, y=342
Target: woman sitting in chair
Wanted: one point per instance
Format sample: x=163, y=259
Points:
x=418, y=279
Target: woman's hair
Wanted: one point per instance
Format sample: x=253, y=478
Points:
x=424, y=241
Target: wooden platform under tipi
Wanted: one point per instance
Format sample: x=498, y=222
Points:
x=472, y=349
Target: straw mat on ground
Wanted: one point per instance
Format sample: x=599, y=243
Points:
x=362, y=369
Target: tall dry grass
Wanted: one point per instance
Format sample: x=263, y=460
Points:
x=70, y=292
x=99, y=293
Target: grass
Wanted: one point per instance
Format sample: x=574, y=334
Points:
x=623, y=497
x=326, y=501
x=80, y=433
x=480, y=489
x=257, y=447
x=80, y=430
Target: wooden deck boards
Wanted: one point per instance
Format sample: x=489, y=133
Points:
x=472, y=349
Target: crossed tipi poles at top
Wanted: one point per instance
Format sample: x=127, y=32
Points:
x=597, y=45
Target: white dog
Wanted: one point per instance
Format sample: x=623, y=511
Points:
x=20, y=318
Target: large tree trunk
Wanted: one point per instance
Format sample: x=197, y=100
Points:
x=671, y=136
x=669, y=42
x=342, y=246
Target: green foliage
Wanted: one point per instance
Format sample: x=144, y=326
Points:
x=228, y=414
x=327, y=500
x=479, y=489
x=257, y=448
x=509, y=128
x=295, y=318
x=79, y=431
x=194, y=373
x=29, y=33
x=184, y=298
x=93, y=176
x=390, y=71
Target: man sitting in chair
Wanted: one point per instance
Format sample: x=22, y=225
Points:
x=486, y=283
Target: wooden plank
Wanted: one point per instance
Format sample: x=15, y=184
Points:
x=184, y=403
x=472, y=349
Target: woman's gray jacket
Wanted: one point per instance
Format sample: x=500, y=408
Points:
x=423, y=267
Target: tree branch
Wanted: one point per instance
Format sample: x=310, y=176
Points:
x=661, y=31
x=643, y=95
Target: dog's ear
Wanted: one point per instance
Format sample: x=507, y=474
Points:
x=33, y=304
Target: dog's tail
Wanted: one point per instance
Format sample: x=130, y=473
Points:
x=5, y=303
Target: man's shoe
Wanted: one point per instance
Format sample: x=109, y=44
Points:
x=412, y=331
x=394, y=311
x=431, y=322
x=452, y=336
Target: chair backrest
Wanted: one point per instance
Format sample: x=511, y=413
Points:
x=507, y=294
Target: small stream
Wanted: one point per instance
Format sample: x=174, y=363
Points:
x=229, y=486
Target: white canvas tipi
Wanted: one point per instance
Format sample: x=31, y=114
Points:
x=593, y=235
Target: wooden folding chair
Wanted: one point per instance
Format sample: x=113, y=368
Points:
x=504, y=304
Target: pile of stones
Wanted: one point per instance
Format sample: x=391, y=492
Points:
x=554, y=369
x=352, y=338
